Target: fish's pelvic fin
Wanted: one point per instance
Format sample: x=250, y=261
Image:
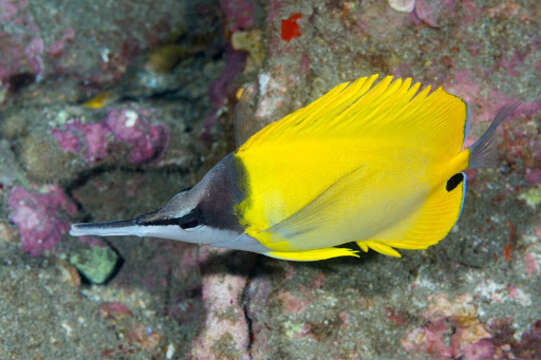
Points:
x=483, y=152
x=379, y=247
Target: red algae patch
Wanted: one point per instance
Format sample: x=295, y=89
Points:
x=290, y=29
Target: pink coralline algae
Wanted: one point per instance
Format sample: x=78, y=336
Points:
x=145, y=139
x=42, y=217
x=114, y=310
x=531, y=265
x=76, y=135
x=451, y=331
x=239, y=15
x=58, y=46
x=431, y=12
x=533, y=176
x=21, y=49
x=9, y=10
x=221, y=88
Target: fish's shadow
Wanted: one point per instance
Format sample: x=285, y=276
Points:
x=247, y=264
x=235, y=262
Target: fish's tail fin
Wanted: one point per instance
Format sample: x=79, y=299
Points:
x=112, y=228
x=483, y=151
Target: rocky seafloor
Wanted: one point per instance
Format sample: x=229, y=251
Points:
x=108, y=108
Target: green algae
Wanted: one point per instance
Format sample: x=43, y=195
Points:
x=96, y=263
x=531, y=196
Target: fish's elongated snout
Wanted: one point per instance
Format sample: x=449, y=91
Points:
x=197, y=235
x=109, y=228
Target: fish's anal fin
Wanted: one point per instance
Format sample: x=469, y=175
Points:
x=426, y=226
x=312, y=255
x=379, y=247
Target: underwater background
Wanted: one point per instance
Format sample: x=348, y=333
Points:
x=108, y=108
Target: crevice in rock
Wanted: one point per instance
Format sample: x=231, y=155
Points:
x=245, y=303
x=167, y=294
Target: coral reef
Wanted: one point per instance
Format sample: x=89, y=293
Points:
x=171, y=71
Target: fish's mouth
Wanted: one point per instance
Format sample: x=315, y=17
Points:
x=83, y=229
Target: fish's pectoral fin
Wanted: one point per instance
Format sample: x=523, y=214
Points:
x=379, y=247
x=312, y=255
x=430, y=223
x=318, y=210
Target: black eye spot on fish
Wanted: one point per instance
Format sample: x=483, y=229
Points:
x=187, y=221
x=190, y=224
x=454, y=181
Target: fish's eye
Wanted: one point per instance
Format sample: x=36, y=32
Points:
x=190, y=224
x=454, y=181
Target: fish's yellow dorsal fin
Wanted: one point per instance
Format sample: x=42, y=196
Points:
x=392, y=109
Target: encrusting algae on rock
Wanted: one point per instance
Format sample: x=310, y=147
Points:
x=41, y=215
x=96, y=263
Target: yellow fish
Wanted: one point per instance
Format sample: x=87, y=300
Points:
x=376, y=163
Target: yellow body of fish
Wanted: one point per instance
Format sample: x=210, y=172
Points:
x=366, y=163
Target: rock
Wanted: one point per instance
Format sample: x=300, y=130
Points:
x=402, y=5
x=94, y=141
x=43, y=160
x=472, y=296
x=96, y=263
x=68, y=273
x=11, y=172
x=114, y=310
x=250, y=41
x=41, y=216
x=145, y=336
x=8, y=233
x=532, y=196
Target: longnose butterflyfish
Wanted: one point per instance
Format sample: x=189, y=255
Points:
x=378, y=163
